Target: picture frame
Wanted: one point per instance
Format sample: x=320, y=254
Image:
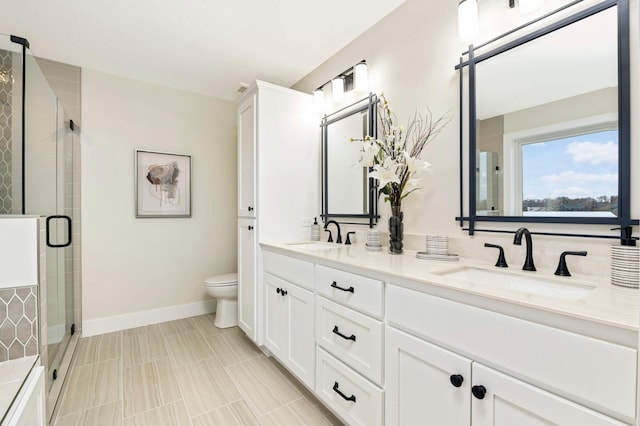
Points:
x=163, y=184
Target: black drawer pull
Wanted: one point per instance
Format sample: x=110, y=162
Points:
x=335, y=285
x=336, y=331
x=346, y=398
x=250, y=208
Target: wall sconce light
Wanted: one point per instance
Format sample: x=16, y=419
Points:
x=468, y=19
x=468, y=15
x=337, y=88
x=356, y=77
x=361, y=76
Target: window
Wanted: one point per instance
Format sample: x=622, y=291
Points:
x=573, y=174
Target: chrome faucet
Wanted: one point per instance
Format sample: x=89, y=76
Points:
x=339, y=237
x=517, y=240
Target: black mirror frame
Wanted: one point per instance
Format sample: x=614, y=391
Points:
x=372, y=217
x=623, y=219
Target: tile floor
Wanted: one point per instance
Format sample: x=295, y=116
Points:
x=184, y=372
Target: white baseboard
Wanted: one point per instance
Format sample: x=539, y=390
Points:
x=138, y=319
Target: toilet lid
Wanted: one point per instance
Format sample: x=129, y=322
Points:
x=222, y=280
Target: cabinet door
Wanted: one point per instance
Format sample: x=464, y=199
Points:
x=247, y=277
x=247, y=146
x=419, y=387
x=275, y=338
x=301, y=340
x=508, y=402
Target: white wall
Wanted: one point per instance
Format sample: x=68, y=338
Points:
x=132, y=266
x=411, y=55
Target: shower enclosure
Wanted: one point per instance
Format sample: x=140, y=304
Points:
x=37, y=178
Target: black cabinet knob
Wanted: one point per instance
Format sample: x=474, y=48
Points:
x=456, y=380
x=283, y=292
x=250, y=208
x=278, y=290
x=479, y=391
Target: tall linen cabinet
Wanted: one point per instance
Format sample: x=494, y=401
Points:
x=278, y=185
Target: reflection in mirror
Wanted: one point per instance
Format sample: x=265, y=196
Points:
x=347, y=191
x=547, y=124
x=346, y=182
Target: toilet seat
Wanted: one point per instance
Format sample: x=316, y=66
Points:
x=222, y=280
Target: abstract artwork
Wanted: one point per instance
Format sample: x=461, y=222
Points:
x=163, y=184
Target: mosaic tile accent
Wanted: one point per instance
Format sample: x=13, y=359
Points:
x=18, y=322
x=6, y=87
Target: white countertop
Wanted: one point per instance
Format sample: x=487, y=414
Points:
x=606, y=304
x=12, y=375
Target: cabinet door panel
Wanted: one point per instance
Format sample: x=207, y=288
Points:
x=509, y=402
x=275, y=338
x=418, y=388
x=247, y=276
x=301, y=346
x=247, y=158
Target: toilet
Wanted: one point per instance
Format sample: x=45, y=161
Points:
x=225, y=289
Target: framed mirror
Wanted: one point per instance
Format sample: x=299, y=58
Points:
x=348, y=194
x=549, y=123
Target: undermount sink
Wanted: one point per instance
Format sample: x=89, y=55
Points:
x=314, y=245
x=539, y=286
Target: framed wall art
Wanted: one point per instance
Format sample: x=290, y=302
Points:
x=163, y=184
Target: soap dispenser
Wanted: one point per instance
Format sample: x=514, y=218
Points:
x=315, y=230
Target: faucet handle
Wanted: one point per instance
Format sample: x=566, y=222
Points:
x=502, y=262
x=330, y=240
x=348, y=241
x=562, y=269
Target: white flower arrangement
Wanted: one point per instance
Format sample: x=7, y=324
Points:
x=395, y=156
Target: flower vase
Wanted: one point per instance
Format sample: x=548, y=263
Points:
x=395, y=230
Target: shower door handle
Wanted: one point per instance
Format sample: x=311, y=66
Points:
x=64, y=217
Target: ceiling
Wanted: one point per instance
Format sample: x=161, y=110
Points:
x=202, y=46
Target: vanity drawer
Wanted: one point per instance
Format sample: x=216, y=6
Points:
x=356, y=291
x=592, y=372
x=290, y=269
x=352, y=337
x=355, y=399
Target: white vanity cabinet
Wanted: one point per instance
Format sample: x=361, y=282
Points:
x=278, y=155
x=396, y=351
x=289, y=326
x=506, y=401
x=289, y=314
x=247, y=251
x=425, y=381
x=574, y=375
x=247, y=152
x=349, y=335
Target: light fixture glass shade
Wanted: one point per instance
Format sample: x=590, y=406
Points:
x=526, y=6
x=467, y=19
x=361, y=76
x=337, y=88
x=318, y=99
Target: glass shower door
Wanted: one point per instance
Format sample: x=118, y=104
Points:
x=48, y=176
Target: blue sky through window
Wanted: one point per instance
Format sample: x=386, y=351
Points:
x=574, y=167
